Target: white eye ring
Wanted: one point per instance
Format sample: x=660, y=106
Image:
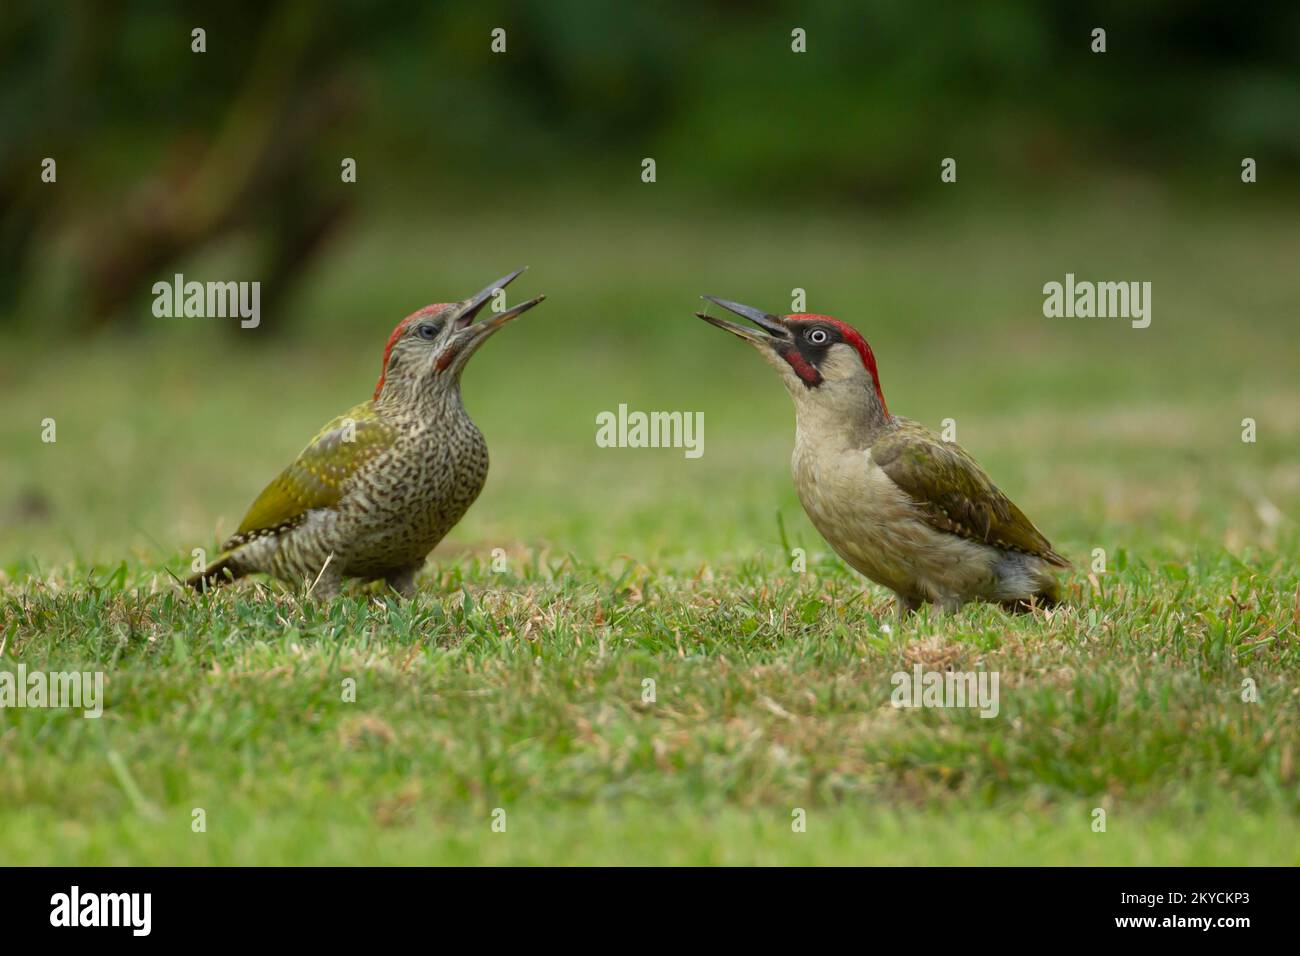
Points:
x=818, y=336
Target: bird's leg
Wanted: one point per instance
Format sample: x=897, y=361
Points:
x=904, y=606
x=328, y=580
x=403, y=581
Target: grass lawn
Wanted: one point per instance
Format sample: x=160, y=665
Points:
x=524, y=690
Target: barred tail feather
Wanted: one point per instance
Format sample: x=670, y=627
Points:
x=221, y=571
x=1026, y=582
x=1052, y=557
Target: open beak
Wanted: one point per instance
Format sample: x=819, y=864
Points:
x=465, y=335
x=500, y=319
x=772, y=328
x=472, y=306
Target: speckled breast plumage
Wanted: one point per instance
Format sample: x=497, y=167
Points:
x=394, y=510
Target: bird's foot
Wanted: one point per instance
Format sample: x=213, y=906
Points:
x=904, y=607
x=403, y=581
x=328, y=581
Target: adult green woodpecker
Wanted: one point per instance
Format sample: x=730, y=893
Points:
x=380, y=485
x=908, y=510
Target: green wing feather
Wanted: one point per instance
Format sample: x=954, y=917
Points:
x=319, y=474
x=954, y=494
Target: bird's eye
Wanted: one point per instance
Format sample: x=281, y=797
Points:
x=818, y=336
x=427, y=330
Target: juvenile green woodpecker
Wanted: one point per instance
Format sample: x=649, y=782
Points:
x=372, y=494
x=908, y=510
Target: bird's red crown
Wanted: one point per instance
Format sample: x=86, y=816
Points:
x=397, y=334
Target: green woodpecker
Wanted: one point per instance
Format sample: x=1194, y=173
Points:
x=908, y=510
x=372, y=494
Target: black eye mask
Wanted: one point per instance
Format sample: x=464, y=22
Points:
x=805, y=357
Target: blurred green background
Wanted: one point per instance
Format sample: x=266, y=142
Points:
x=775, y=170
